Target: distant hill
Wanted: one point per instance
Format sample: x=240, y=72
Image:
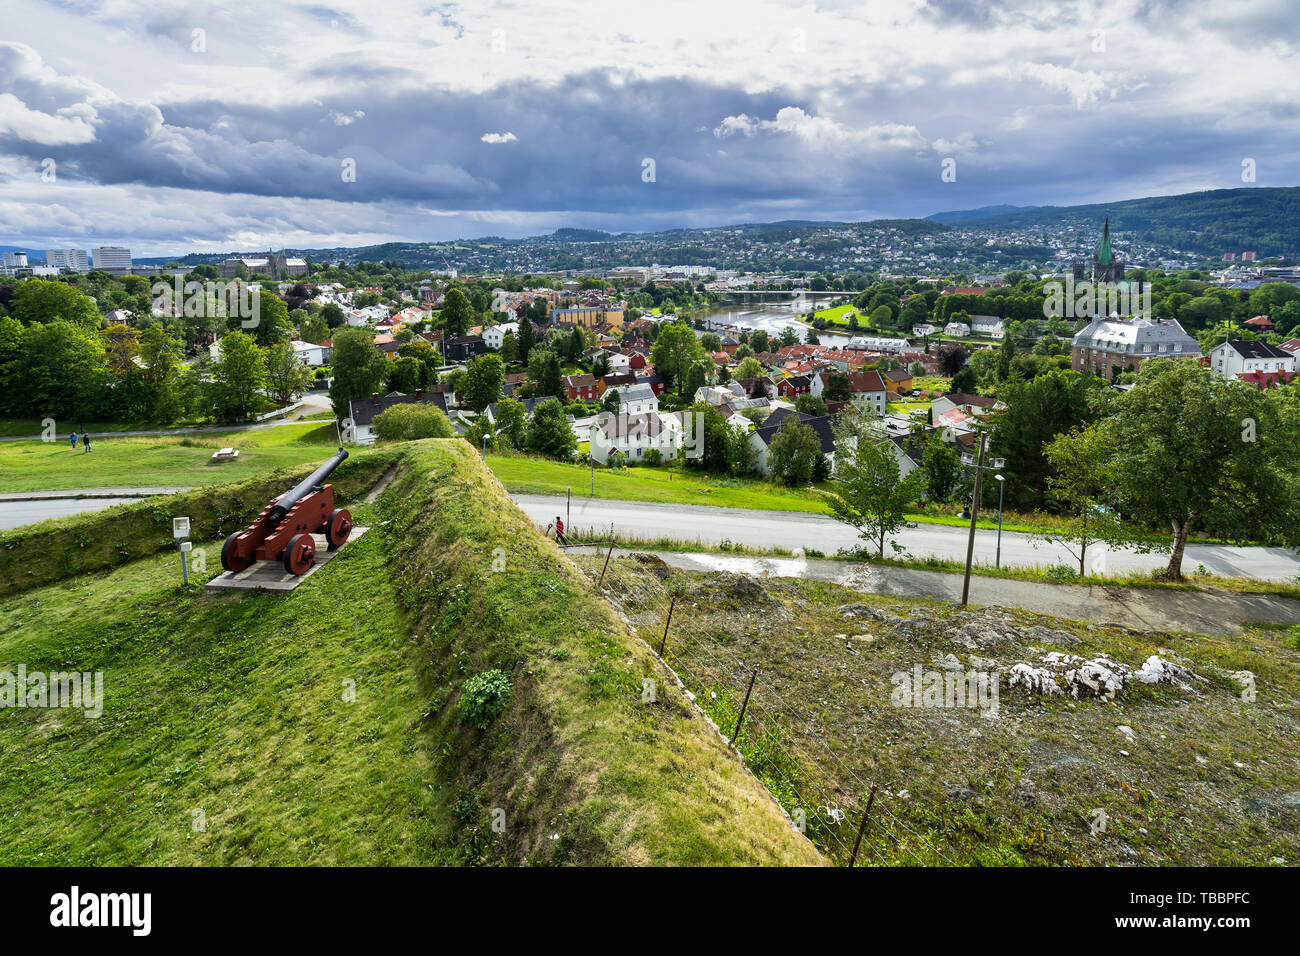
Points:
x=1262, y=218
x=580, y=235
x=984, y=212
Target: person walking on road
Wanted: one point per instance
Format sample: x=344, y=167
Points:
x=559, y=532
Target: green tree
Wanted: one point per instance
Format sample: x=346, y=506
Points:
x=941, y=466
x=333, y=315
x=238, y=376
x=749, y=367
x=1083, y=472
x=358, y=366
x=868, y=491
x=512, y=421
x=509, y=348
x=404, y=374
x=527, y=340
x=39, y=300
x=675, y=350
x=63, y=370
x=1196, y=452
x=286, y=375
x=837, y=387
x=314, y=329
x=1005, y=355
x=482, y=382
x=412, y=421
x=550, y=433
x=457, y=313
x=544, y=370
x=793, y=453
x=1036, y=412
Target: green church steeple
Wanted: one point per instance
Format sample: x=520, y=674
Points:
x=1104, y=255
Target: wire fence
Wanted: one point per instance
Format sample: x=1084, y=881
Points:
x=825, y=798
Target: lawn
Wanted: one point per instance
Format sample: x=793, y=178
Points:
x=541, y=476
x=180, y=461
x=225, y=736
x=838, y=315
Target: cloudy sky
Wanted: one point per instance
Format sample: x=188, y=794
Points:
x=178, y=126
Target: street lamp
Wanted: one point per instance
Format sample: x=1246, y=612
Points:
x=1002, y=487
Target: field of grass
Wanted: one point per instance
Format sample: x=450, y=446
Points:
x=1199, y=776
x=522, y=474
x=225, y=736
x=171, y=461
x=837, y=315
x=231, y=733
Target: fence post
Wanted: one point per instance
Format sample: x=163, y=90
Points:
x=607, y=554
x=853, y=857
x=663, y=641
x=744, y=707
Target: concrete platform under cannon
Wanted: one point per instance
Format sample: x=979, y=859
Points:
x=271, y=576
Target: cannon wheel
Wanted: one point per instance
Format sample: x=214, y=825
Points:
x=228, y=559
x=337, y=528
x=300, y=554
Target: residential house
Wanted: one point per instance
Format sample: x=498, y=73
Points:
x=361, y=414
x=313, y=355
x=898, y=380
x=1235, y=358
x=867, y=390
x=581, y=388
x=494, y=335
x=464, y=347
x=761, y=438
x=1108, y=347
x=635, y=399
x=633, y=434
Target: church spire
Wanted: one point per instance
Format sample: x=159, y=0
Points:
x=1104, y=254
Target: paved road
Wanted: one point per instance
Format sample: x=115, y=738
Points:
x=1205, y=612
x=28, y=507
x=13, y=514
x=311, y=402
x=767, y=529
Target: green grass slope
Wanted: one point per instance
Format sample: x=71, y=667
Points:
x=323, y=727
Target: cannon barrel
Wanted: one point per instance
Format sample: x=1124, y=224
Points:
x=304, y=487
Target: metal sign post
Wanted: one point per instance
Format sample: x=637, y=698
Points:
x=181, y=532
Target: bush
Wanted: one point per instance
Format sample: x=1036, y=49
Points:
x=1062, y=572
x=483, y=697
x=413, y=421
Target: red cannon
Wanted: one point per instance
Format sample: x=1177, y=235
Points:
x=283, y=531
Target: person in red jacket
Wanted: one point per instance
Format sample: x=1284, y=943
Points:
x=559, y=532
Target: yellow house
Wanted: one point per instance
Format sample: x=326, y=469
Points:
x=589, y=318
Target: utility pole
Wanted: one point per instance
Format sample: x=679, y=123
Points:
x=974, y=514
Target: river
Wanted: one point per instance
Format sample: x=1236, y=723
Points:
x=771, y=318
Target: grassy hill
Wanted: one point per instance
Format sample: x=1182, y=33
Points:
x=1264, y=219
x=326, y=726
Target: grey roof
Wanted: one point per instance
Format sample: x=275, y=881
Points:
x=363, y=411
x=635, y=393
x=1137, y=337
